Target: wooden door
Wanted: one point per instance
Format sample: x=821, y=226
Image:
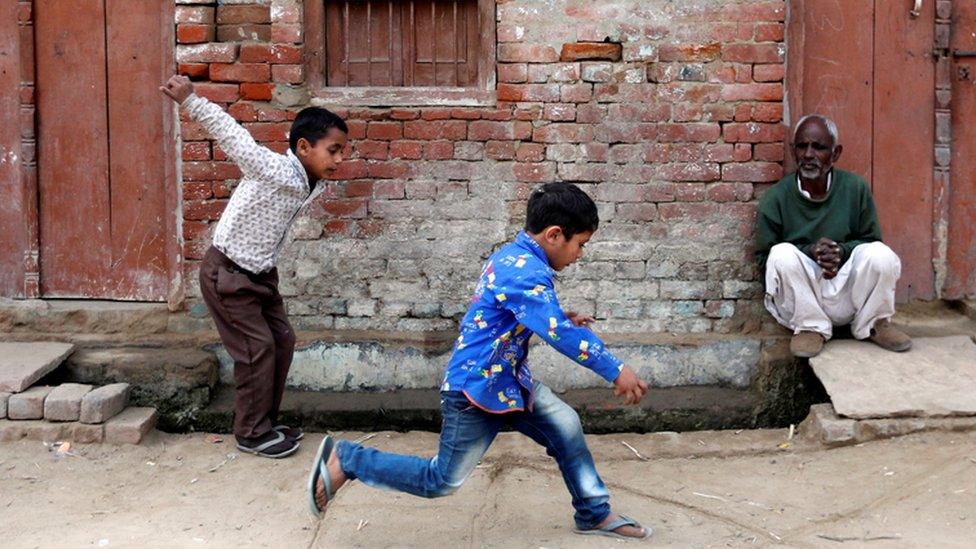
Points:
x=106, y=168
x=868, y=64
x=961, y=237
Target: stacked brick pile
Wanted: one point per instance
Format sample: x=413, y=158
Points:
x=669, y=113
x=71, y=411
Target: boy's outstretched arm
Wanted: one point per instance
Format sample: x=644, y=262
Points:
x=535, y=305
x=237, y=142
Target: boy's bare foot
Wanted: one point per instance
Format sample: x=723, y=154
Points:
x=637, y=532
x=335, y=474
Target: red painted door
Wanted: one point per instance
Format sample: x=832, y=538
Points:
x=961, y=237
x=868, y=64
x=105, y=151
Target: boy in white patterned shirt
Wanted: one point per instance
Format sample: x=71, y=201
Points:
x=238, y=278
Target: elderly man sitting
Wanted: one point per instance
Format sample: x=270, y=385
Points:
x=818, y=238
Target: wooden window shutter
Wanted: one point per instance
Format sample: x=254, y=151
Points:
x=412, y=43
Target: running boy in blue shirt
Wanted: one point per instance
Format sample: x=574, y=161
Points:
x=488, y=384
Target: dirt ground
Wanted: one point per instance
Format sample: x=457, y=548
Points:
x=707, y=489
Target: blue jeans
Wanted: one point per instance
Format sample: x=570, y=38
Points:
x=466, y=433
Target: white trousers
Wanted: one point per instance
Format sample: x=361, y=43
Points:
x=862, y=293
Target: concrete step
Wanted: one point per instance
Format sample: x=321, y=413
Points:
x=23, y=364
x=36, y=316
x=178, y=382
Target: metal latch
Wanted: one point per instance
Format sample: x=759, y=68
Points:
x=918, y=9
x=963, y=53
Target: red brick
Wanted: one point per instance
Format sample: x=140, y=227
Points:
x=729, y=192
x=203, y=210
x=768, y=73
x=354, y=208
x=404, y=114
x=758, y=172
x=257, y=91
x=689, y=192
x=255, y=53
x=374, y=150
x=500, y=150
x=247, y=13
x=514, y=73
x=350, y=169
x=530, y=152
x=563, y=133
x=769, y=152
x=244, y=32
x=745, y=32
x=591, y=51
x=218, y=93
x=528, y=92
x=576, y=93
x=385, y=131
x=743, y=112
x=510, y=33
x=526, y=53
x=743, y=74
x=455, y=130
x=535, y=172
x=194, y=230
x=743, y=152
x=269, y=131
x=292, y=74
x=387, y=170
x=240, y=72
x=770, y=32
x=361, y=188
x=756, y=11
x=406, y=149
x=752, y=92
x=768, y=112
x=286, y=54
x=194, y=71
x=196, y=150
x=357, y=129
x=753, y=133
x=202, y=15
x=693, y=171
x=436, y=114
x=196, y=190
x=243, y=112
x=206, y=53
x=286, y=33
x=485, y=130
x=689, y=52
x=466, y=114
x=193, y=131
x=687, y=211
x=753, y=53
x=559, y=112
x=389, y=190
x=207, y=171
x=439, y=150
x=695, y=132
x=194, y=34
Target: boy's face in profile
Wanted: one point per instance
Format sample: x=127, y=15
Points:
x=322, y=158
x=561, y=251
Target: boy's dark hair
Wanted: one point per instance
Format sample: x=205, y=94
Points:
x=314, y=123
x=564, y=205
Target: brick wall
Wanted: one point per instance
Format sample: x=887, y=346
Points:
x=674, y=133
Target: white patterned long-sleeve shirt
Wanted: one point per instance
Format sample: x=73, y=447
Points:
x=272, y=190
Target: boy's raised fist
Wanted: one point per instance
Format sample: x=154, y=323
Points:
x=178, y=88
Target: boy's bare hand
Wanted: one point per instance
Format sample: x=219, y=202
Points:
x=178, y=88
x=580, y=320
x=629, y=386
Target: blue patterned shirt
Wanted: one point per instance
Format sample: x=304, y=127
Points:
x=514, y=299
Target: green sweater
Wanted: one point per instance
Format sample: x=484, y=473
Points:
x=847, y=216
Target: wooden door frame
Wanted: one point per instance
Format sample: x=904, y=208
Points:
x=21, y=226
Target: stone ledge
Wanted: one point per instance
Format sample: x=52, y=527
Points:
x=825, y=427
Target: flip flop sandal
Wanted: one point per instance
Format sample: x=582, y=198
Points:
x=608, y=530
x=319, y=470
x=260, y=450
x=292, y=433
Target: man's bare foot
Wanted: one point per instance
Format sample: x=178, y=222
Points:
x=335, y=474
x=638, y=532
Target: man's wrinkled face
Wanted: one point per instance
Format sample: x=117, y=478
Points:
x=814, y=149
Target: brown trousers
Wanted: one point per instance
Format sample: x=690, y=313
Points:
x=251, y=320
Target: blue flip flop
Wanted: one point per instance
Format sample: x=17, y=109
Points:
x=608, y=530
x=319, y=470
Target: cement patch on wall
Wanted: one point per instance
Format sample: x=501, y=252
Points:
x=364, y=366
